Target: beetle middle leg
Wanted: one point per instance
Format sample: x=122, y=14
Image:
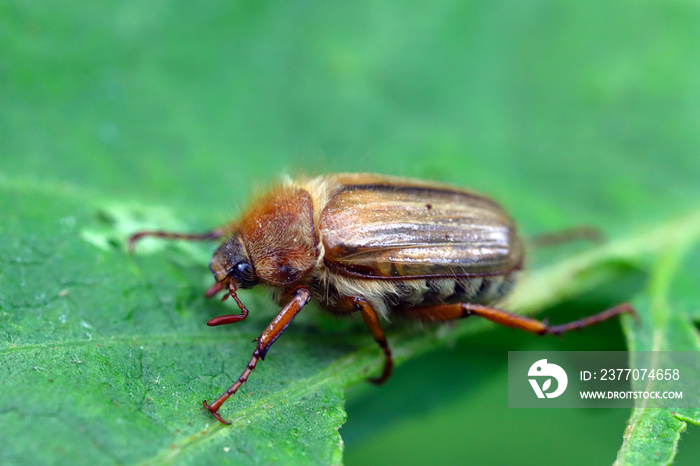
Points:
x=372, y=321
x=445, y=312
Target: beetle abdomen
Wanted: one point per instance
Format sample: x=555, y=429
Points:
x=430, y=291
x=391, y=296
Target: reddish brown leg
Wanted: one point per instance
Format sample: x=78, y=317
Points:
x=579, y=233
x=232, y=318
x=444, y=312
x=372, y=322
x=215, y=288
x=208, y=236
x=268, y=337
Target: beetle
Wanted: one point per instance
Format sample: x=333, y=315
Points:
x=373, y=244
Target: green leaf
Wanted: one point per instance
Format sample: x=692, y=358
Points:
x=108, y=349
x=119, y=116
x=652, y=434
x=106, y=358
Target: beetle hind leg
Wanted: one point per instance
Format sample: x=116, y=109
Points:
x=445, y=312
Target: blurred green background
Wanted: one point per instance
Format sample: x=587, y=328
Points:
x=567, y=113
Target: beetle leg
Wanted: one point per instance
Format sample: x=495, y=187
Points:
x=444, y=312
x=207, y=236
x=265, y=340
x=578, y=233
x=372, y=322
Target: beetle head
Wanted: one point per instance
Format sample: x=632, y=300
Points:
x=231, y=261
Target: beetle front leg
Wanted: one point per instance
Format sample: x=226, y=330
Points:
x=208, y=236
x=212, y=235
x=265, y=340
x=445, y=312
x=372, y=322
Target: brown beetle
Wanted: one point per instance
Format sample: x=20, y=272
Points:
x=375, y=244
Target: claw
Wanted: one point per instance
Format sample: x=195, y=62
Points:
x=215, y=413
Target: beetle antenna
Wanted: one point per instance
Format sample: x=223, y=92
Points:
x=232, y=293
x=232, y=318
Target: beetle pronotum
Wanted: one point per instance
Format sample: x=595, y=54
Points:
x=372, y=244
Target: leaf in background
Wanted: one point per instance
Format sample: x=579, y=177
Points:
x=652, y=434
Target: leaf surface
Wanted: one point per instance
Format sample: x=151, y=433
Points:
x=122, y=116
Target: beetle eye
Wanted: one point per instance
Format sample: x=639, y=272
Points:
x=244, y=274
